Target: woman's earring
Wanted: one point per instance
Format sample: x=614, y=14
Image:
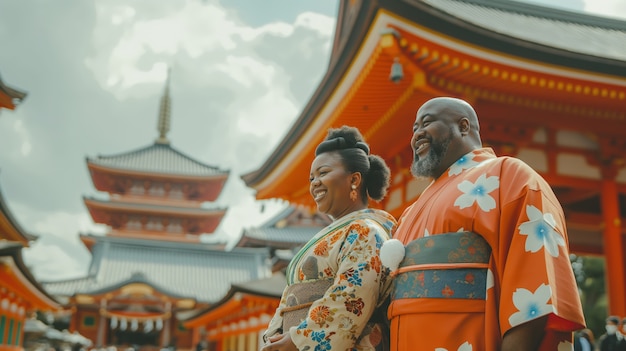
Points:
x=353, y=193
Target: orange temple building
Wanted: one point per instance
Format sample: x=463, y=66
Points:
x=20, y=294
x=152, y=266
x=549, y=87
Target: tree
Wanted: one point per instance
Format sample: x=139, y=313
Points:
x=590, y=277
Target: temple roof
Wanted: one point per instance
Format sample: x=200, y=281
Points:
x=297, y=236
x=10, y=97
x=16, y=275
x=566, y=45
x=136, y=278
x=10, y=229
x=159, y=159
x=271, y=287
x=181, y=269
x=551, y=27
x=292, y=227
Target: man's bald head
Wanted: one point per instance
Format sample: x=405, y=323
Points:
x=456, y=107
x=445, y=129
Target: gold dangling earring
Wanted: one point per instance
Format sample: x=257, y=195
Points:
x=353, y=193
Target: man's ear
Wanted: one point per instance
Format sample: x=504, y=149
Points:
x=464, y=126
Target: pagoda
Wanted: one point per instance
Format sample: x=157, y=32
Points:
x=152, y=266
x=548, y=85
x=156, y=192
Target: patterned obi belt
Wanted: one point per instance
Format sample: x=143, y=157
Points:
x=299, y=297
x=451, y=265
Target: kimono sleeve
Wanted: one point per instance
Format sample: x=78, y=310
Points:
x=536, y=276
x=276, y=323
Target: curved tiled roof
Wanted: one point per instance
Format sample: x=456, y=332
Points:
x=10, y=97
x=14, y=251
x=157, y=158
x=15, y=228
x=290, y=235
x=186, y=270
x=575, y=32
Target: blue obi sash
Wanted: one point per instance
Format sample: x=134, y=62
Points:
x=451, y=265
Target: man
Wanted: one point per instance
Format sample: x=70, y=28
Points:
x=486, y=263
x=612, y=340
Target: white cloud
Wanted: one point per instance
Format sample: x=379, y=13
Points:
x=57, y=253
x=245, y=70
x=19, y=129
x=324, y=25
x=49, y=262
x=609, y=8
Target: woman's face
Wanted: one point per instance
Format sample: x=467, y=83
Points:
x=330, y=185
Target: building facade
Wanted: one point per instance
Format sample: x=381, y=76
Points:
x=549, y=87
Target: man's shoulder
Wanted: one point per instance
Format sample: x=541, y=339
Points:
x=515, y=166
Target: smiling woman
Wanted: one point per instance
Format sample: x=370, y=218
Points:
x=336, y=281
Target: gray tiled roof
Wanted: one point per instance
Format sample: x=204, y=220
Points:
x=291, y=235
x=585, y=34
x=272, y=234
x=186, y=270
x=279, y=216
x=157, y=158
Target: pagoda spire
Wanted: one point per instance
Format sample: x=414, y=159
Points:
x=163, y=125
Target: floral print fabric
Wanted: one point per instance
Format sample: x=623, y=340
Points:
x=347, y=251
x=529, y=274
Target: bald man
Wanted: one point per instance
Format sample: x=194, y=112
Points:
x=486, y=263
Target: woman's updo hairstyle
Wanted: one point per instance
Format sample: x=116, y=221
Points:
x=355, y=155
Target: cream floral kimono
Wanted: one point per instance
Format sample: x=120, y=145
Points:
x=348, y=252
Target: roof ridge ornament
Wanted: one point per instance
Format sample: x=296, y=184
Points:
x=163, y=125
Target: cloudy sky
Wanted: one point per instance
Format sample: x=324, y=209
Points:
x=241, y=72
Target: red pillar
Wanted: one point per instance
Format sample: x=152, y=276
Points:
x=613, y=249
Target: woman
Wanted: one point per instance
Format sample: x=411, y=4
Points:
x=336, y=280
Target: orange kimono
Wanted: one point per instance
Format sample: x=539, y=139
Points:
x=486, y=250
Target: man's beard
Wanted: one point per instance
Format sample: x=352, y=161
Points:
x=425, y=167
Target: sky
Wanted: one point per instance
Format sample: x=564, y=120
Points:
x=94, y=71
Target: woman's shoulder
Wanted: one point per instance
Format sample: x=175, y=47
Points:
x=376, y=220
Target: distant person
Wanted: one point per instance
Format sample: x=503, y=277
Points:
x=336, y=280
x=612, y=340
x=584, y=340
x=487, y=263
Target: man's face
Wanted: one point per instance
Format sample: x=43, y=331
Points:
x=428, y=156
x=433, y=132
